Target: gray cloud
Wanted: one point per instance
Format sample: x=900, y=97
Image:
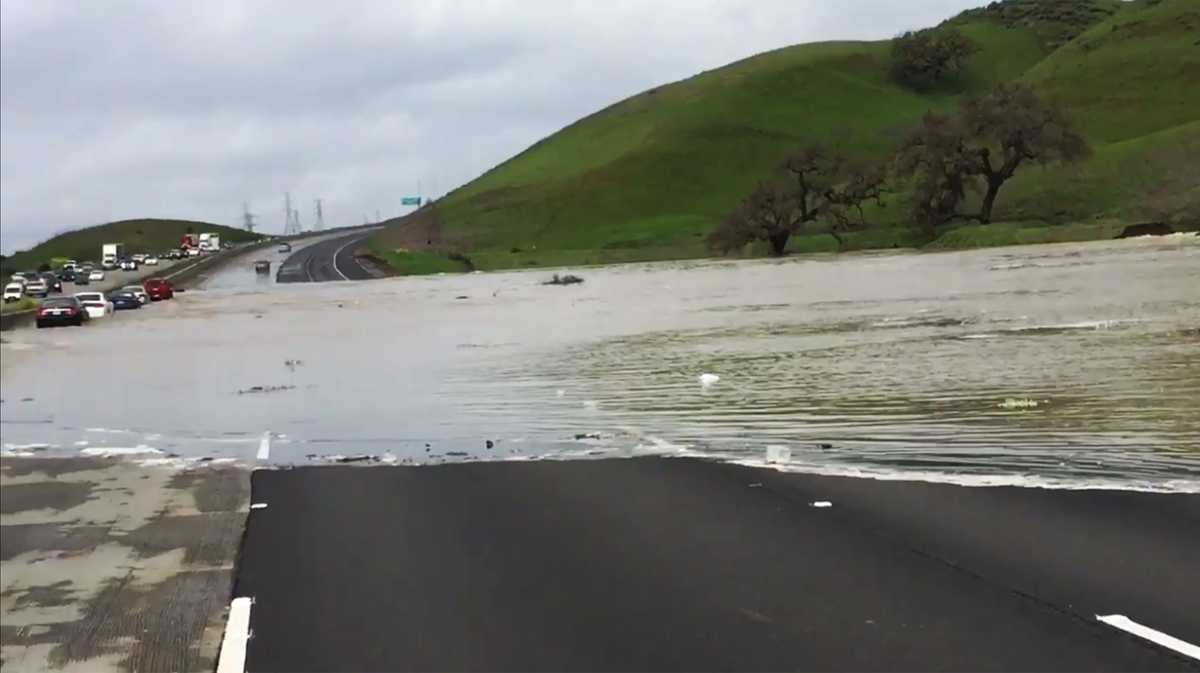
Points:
x=122, y=108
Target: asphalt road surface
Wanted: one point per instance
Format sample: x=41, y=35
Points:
x=673, y=564
x=332, y=259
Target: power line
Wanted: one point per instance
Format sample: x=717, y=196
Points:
x=320, y=222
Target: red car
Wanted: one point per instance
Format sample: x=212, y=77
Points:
x=159, y=288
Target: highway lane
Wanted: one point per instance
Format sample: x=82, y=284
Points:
x=673, y=564
x=328, y=260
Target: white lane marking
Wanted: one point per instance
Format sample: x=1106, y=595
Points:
x=338, y=252
x=264, y=446
x=259, y=505
x=1170, y=642
x=237, y=632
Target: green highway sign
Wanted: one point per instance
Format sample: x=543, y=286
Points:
x=410, y=201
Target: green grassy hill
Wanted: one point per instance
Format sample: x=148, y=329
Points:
x=147, y=235
x=648, y=177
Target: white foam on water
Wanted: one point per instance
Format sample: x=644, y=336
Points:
x=110, y=451
x=27, y=447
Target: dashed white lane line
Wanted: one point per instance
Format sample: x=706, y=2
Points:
x=237, y=632
x=264, y=446
x=259, y=505
x=1170, y=642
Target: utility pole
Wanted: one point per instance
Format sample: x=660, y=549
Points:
x=247, y=217
x=320, y=223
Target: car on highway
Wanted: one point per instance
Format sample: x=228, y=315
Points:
x=159, y=288
x=124, y=300
x=96, y=274
x=67, y=274
x=129, y=265
x=96, y=304
x=14, y=291
x=52, y=281
x=139, y=257
x=62, y=311
x=81, y=278
x=285, y=247
x=150, y=261
x=36, y=288
x=137, y=291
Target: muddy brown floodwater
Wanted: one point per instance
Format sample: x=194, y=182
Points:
x=1072, y=365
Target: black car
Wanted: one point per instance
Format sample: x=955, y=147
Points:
x=124, y=300
x=61, y=311
x=67, y=275
x=53, y=283
x=81, y=278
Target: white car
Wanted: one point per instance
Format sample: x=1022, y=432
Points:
x=139, y=292
x=96, y=274
x=150, y=261
x=37, y=288
x=95, y=303
x=14, y=292
x=139, y=258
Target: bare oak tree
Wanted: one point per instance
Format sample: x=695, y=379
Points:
x=981, y=147
x=813, y=183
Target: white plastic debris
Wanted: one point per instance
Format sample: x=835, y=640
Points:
x=1014, y=403
x=821, y=503
x=707, y=380
x=779, y=454
x=259, y=505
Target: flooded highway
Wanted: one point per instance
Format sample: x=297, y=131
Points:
x=1073, y=365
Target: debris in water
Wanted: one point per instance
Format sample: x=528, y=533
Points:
x=264, y=389
x=456, y=453
x=26, y=399
x=462, y=296
x=707, y=380
x=1014, y=403
x=566, y=279
x=490, y=444
x=587, y=435
x=821, y=503
x=360, y=458
x=757, y=484
x=292, y=364
x=560, y=393
x=591, y=404
x=824, y=445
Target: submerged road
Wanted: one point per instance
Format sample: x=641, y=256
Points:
x=673, y=564
x=332, y=259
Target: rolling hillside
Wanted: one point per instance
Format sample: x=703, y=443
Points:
x=146, y=235
x=648, y=177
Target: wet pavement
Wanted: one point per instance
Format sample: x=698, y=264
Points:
x=1073, y=365
x=115, y=565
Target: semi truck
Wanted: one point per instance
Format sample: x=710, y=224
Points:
x=111, y=254
x=210, y=242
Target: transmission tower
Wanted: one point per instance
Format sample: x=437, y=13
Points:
x=247, y=217
x=291, y=220
x=319, y=224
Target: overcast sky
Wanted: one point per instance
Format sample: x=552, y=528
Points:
x=119, y=109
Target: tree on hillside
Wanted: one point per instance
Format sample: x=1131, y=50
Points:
x=980, y=148
x=813, y=183
x=925, y=58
